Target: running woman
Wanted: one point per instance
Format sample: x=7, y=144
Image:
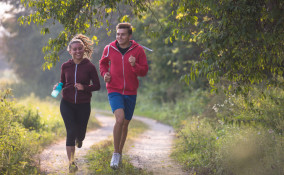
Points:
x=75, y=108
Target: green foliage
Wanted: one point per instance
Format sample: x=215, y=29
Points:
x=75, y=16
x=32, y=121
x=26, y=126
x=241, y=40
x=169, y=61
x=259, y=108
x=192, y=104
x=206, y=147
x=196, y=147
x=17, y=144
x=249, y=151
x=219, y=134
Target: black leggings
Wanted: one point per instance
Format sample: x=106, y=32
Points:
x=76, y=117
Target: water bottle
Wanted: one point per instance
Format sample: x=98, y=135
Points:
x=56, y=91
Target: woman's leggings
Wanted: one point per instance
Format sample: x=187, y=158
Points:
x=76, y=117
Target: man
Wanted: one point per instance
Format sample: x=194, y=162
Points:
x=123, y=60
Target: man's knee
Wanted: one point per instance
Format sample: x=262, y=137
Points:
x=125, y=124
x=119, y=115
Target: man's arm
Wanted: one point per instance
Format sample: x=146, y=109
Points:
x=104, y=61
x=139, y=64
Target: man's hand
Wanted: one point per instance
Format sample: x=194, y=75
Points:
x=107, y=77
x=79, y=86
x=132, y=60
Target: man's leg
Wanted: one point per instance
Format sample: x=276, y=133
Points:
x=129, y=103
x=123, y=135
x=117, y=130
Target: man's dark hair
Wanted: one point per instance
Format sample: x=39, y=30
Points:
x=125, y=25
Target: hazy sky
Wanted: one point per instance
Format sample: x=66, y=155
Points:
x=3, y=8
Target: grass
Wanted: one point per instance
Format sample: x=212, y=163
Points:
x=220, y=135
x=100, y=154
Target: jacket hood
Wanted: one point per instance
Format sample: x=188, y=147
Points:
x=134, y=44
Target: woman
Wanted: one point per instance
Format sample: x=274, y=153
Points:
x=75, y=107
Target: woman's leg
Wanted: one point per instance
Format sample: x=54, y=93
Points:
x=82, y=117
x=68, y=115
x=70, y=153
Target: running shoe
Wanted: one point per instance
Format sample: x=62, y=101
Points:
x=115, y=160
x=73, y=167
x=79, y=143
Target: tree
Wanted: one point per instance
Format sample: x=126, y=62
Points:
x=242, y=41
x=170, y=59
x=75, y=16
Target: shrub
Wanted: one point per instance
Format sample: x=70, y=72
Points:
x=17, y=144
x=32, y=120
x=196, y=145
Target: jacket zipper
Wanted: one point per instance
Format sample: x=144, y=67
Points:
x=75, y=83
x=124, y=84
x=123, y=74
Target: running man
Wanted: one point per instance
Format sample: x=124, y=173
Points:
x=123, y=60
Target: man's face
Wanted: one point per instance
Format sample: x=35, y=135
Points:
x=123, y=37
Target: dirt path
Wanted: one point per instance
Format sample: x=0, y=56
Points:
x=53, y=159
x=150, y=151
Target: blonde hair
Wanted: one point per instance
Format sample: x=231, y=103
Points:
x=80, y=38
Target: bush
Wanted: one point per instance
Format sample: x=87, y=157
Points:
x=211, y=148
x=17, y=144
x=234, y=135
x=258, y=108
x=32, y=120
x=250, y=151
x=196, y=145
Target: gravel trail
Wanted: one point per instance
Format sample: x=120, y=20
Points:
x=150, y=151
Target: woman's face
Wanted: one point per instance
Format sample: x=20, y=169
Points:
x=77, y=51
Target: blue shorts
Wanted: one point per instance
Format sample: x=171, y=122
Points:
x=125, y=102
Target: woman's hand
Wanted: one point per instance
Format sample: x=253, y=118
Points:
x=79, y=86
x=54, y=87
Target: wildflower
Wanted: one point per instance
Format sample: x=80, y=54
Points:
x=217, y=138
x=215, y=108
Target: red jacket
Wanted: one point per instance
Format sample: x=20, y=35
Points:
x=82, y=73
x=123, y=76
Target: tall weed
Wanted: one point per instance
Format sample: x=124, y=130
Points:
x=219, y=134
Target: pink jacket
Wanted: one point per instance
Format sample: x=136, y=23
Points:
x=123, y=76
